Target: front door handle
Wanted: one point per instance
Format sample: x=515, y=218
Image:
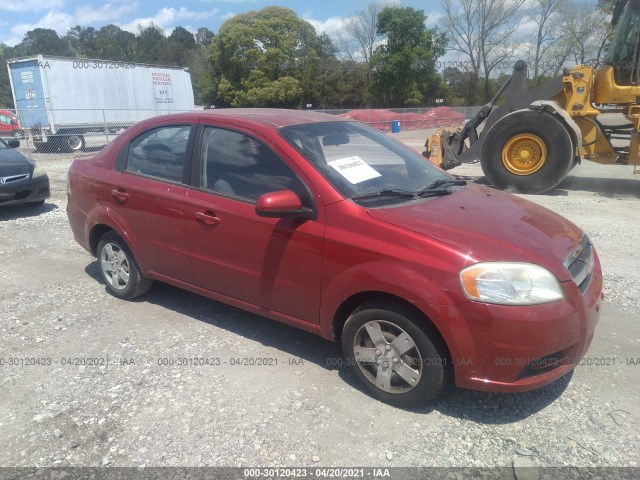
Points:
x=208, y=218
x=120, y=195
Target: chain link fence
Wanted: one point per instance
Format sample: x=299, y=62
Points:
x=69, y=130
x=408, y=118
x=51, y=131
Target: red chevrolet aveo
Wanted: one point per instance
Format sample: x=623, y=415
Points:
x=333, y=227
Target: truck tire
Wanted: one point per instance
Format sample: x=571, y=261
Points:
x=46, y=147
x=527, y=152
x=73, y=143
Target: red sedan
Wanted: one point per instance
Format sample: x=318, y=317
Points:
x=333, y=227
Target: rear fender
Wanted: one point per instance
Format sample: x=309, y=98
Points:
x=102, y=214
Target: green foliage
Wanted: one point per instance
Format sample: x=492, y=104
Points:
x=259, y=54
x=404, y=66
x=267, y=58
x=150, y=45
x=113, y=43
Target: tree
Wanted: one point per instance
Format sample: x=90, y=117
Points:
x=81, y=41
x=42, y=41
x=113, y=43
x=548, y=17
x=203, y=37
x=482, y=32
x=150, y=44
x=404, y=66
x=179, y=48
x=587, y=31
x=356, y=43
x=6, y=99
x=255, y=49
x=182, y=37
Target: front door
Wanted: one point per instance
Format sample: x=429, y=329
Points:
x=270, y=262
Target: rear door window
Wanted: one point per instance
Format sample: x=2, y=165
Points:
x=160, y=153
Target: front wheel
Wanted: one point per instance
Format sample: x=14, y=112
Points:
x=393, y=355
x=527, y=152
x=119, y=269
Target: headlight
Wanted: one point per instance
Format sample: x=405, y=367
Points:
x=38, y=171
x=510, y=284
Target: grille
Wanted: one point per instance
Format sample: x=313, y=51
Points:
x=13, y=178
x=580, y=263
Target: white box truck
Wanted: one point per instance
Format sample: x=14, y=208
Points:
x=59, y=100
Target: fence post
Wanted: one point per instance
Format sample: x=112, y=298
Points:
x=104, y=124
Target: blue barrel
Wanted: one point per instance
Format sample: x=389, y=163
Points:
x=395, y=126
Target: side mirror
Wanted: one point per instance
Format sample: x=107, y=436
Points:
x=13, y=142
x=282, y=204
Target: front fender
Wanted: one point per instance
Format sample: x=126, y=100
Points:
x=436, y=301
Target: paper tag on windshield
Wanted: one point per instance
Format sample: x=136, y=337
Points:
x=354, y=169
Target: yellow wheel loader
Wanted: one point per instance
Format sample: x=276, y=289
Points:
x=531, y=142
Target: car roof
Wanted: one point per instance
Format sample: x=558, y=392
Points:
x=277, y=117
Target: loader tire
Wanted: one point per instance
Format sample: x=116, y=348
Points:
x=527, y=152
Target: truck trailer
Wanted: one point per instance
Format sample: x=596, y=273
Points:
x=59, y=100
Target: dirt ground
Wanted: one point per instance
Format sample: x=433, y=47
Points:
x=102, y=391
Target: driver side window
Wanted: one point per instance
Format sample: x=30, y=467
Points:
x=232, y=163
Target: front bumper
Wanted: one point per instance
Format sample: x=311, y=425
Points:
x=25, y=191
x=518, y=348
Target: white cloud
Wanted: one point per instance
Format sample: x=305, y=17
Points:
x=58, y=21
x=168, y=17
x=61, y=22
x=527, y=26
x=434, y=19
x=329, y=26
x=30, y=5
x=228, y=15
x=86, y=15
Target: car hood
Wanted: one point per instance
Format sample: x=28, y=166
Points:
x=12, y=162
x=491, y=226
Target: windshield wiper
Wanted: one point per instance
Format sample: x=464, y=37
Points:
x=439, y=187
x=391, y=192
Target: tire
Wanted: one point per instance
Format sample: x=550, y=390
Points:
x=72, y=143
x=119, y=268
x=403, y=379
x=527, y=152
x=46, y=147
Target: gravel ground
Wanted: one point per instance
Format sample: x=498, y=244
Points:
x=122, y=407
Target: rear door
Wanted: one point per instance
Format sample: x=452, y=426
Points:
x=147, y=192
x=270, y=262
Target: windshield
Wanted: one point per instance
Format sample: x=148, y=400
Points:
x=623, y=51
x=363, y=163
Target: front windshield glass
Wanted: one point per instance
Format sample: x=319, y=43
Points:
x=360, y=161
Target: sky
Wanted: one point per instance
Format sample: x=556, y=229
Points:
x=19, y=16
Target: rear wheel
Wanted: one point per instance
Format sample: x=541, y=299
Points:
x=119, y=269
x=73, y=143
x=528, y=152
x=396, y=359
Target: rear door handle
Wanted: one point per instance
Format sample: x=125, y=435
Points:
x=120, y=195
x=208, y=218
